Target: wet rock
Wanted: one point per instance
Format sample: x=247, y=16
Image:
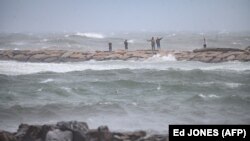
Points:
x=22, y=129
x=155, y=138
x=93, y=135
x=33, y=133
x=74, y=131
x=6, y=136
x=38, y=57
x=98, y=57
x=230, y=58
x=100, y=134
x=79, y=129
x=132, y=136
x=58, y=135
x=124, y=57
x=204, y=55
x=243, y=57
x=21, y=57
x=217, y=49
x=8, y=53
x=67, y=54
x=77, y=56
x=3, y=57
x=113, y=57
x=216, y=60
x=104, y=134
x=206, y=59
x=51, y=59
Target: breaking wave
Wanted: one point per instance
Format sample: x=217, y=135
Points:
x=156, y=62
x=90, y=35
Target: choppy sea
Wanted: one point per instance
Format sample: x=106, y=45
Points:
x=125, y=95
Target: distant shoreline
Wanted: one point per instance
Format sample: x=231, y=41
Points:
x=208, y=55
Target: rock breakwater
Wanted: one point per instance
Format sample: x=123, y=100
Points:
x=209, y=55
x=75, y=131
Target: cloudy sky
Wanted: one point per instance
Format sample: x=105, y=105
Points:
x=124, y=15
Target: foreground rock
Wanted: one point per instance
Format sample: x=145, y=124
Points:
x=74, y=131
x=209, y=55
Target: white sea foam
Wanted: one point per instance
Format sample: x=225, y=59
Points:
x=47, y=80
x=159, y=58
x=227, y=84
x=233, y=85
x=208, y=96
x=236, y=43
x=18, y=43
x=154, y=63
x=90, y=35
x=131, y=41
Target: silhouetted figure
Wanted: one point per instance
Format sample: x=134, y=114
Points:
x=158, y=44
x=204, y=44
x=110, y=46
x=152, y=43
x=126, y=44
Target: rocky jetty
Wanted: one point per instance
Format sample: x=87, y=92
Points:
x=74, y=131
x=208, y=55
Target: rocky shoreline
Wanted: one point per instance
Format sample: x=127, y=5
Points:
x=75, y=131
x=208, y=55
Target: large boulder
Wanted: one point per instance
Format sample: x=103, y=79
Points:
x=58, y=135
x=79, y=129
x=132, y=136
x=38, y=57
x=33, y=133
x=21, y=57
x=6, y=136
x=51, y=59
x=78, y=56
x=67, y=54
x=27, y=132
x=101, y=134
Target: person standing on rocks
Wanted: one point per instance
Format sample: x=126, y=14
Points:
x=204, y=44
x=126, y=44
x=152, y=43
x=110, y=46
x=158, y=44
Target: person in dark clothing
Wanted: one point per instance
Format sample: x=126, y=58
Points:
x=126, y=44
x=110, y=46
x=204, y=44
x=158, y=42
x=152, y=43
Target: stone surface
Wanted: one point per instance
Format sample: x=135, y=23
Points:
x=133, y=136
x=74, y=131
x=79, y=129
x=217, y=49
x=6, y=136
x=155, y=138
x=208, y=55
x=21, y=57
x=58, y=135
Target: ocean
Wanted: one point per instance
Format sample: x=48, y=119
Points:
x=125, y=95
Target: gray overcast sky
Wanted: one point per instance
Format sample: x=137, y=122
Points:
x=123, y=15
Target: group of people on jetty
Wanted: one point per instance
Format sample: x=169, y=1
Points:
x=153, y=41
